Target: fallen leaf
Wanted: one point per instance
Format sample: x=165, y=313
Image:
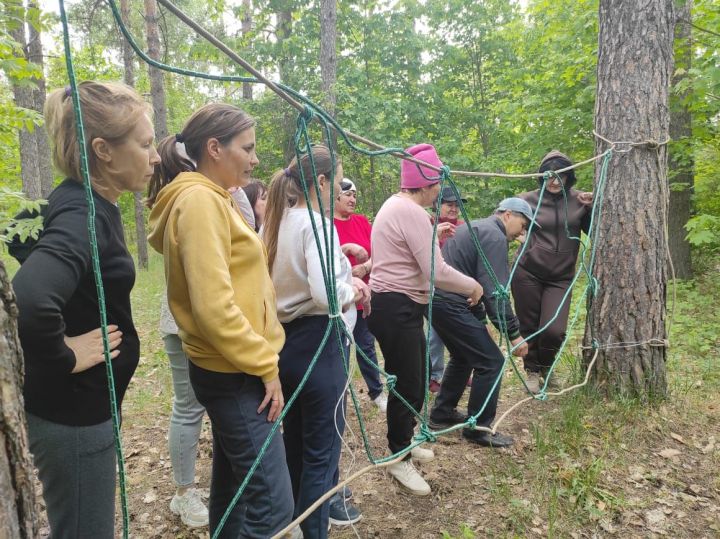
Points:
x=677, y=437
x=150, y=497
x=669, y=453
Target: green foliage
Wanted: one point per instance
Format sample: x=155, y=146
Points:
x=704, y=231
x=12, y=203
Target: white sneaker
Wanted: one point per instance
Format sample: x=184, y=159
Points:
x=406, y=474
x=381, y=402
x=189, y=506
x=421, y=454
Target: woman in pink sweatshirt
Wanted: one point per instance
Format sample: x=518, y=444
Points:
x=401, y=244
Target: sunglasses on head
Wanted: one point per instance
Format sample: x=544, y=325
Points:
x=344, y=186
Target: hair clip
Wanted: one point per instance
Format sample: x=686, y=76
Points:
x=179, y=138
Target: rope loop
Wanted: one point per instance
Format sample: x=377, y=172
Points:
x=391, y=382
x=307, y=114
x=426, y=435
x=444, y=172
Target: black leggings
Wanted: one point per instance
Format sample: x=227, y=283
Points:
x=397, y=323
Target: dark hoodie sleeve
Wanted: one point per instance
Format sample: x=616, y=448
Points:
x=45, y=282
x=496, y=251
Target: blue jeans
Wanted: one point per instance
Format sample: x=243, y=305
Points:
x=186, y=418
x=365, y=341
x=437, y=356
x=314, y=424
x=231, y=401
x=76, y=466
x=472, y=350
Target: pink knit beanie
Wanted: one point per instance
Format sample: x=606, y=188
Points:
x=410, y=175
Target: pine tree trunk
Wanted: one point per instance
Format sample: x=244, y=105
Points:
x=139, y=207
x=681, y=175
x=18, y=509
x=23, y=96
x=246, y=27
x=157, y=88
x=328, y=57
x=627, y=317
x=44, y=162
x=284, y=30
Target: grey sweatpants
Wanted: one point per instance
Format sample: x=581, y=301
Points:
x=76, y=466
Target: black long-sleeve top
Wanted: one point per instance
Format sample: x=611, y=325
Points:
x=57, y=297
x=460, y=253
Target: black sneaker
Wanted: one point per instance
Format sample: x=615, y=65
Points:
x=438, y=422
x=342, y=512
x=486, y=439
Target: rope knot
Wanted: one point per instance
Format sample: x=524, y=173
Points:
x=391, y=382
x=472, y=422
x=444, y=172
x=307, y=114
x=426, y=435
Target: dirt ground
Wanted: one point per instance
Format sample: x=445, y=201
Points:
x=658, y=475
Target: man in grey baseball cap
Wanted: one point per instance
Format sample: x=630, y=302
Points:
x=463, y=328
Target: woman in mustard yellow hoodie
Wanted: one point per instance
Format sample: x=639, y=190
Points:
x=222, y=298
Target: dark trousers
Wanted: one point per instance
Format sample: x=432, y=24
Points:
x=472, y=350
x=536, y=302
x=365, y=341
x=266, y=505
x=76, y=466
x=397, y=323
x=314, y=424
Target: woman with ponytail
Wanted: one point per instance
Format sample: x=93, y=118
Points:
x=313, y=427
x=221, y=296
x=66, y=391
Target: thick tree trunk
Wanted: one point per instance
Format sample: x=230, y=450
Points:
x=18, y=509
x=627, y=317
x=246, y=28
x=681, y=175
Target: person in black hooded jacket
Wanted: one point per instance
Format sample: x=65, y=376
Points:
x=547, y=266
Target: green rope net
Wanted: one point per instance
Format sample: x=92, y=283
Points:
x=325, y=238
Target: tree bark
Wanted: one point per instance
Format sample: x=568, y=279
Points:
x=626, y=319
x=246, y=28
x=328, y=57
x=284, y=30
x=157, y=93
x=157, y=88
x=138, y=206
x=18, y=508
x=35, y=164
x=681, y=163
x=44, y=162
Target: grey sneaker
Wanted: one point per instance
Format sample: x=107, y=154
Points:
x=533, y=381
x=190, y=508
